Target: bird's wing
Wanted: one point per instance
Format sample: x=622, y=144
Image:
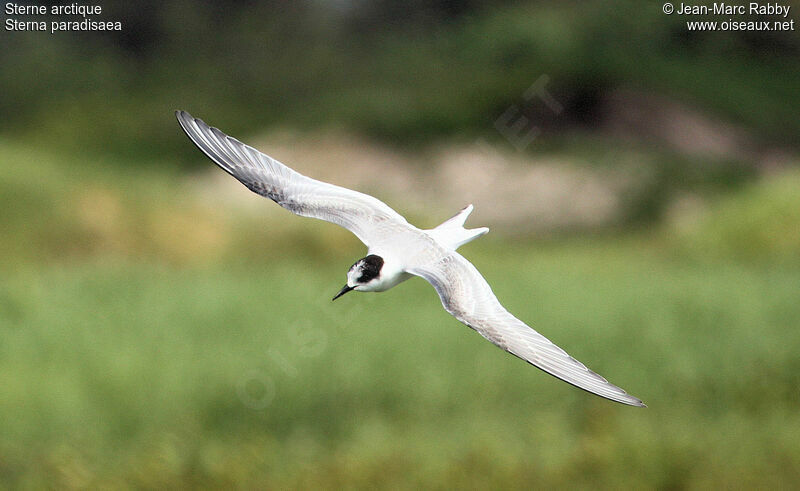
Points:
x=468, y=297
x=363, y=215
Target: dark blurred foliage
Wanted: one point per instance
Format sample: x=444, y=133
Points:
x=408, y=72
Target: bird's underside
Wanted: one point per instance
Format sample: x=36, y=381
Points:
x=429, y=254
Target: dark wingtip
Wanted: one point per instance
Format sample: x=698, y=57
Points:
x=636, y=403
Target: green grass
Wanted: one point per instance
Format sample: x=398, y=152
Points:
x=760, y=223
x=147, y=375
x=152, y=337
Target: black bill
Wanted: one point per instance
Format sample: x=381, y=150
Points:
x=343, y=291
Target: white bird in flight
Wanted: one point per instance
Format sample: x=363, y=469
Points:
x=397, y=251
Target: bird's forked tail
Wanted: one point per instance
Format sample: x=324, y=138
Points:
x=452, y=234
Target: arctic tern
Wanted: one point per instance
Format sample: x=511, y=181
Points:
x=397, y=251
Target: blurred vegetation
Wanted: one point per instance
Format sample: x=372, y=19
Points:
x=761, y=223
x=150, y=336
x=410, y=74
x=132, y=374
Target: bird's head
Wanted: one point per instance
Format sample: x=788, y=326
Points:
x=362, y=275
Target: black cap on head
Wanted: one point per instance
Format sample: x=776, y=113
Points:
x=371, y=268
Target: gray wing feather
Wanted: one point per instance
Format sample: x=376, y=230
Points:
x=362, y=214
x=468, y=297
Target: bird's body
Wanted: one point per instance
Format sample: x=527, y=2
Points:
x=404, y=246
x=398, y=251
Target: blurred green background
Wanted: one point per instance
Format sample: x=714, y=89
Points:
x=162, y=327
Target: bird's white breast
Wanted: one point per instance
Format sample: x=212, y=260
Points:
x=407, y=247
